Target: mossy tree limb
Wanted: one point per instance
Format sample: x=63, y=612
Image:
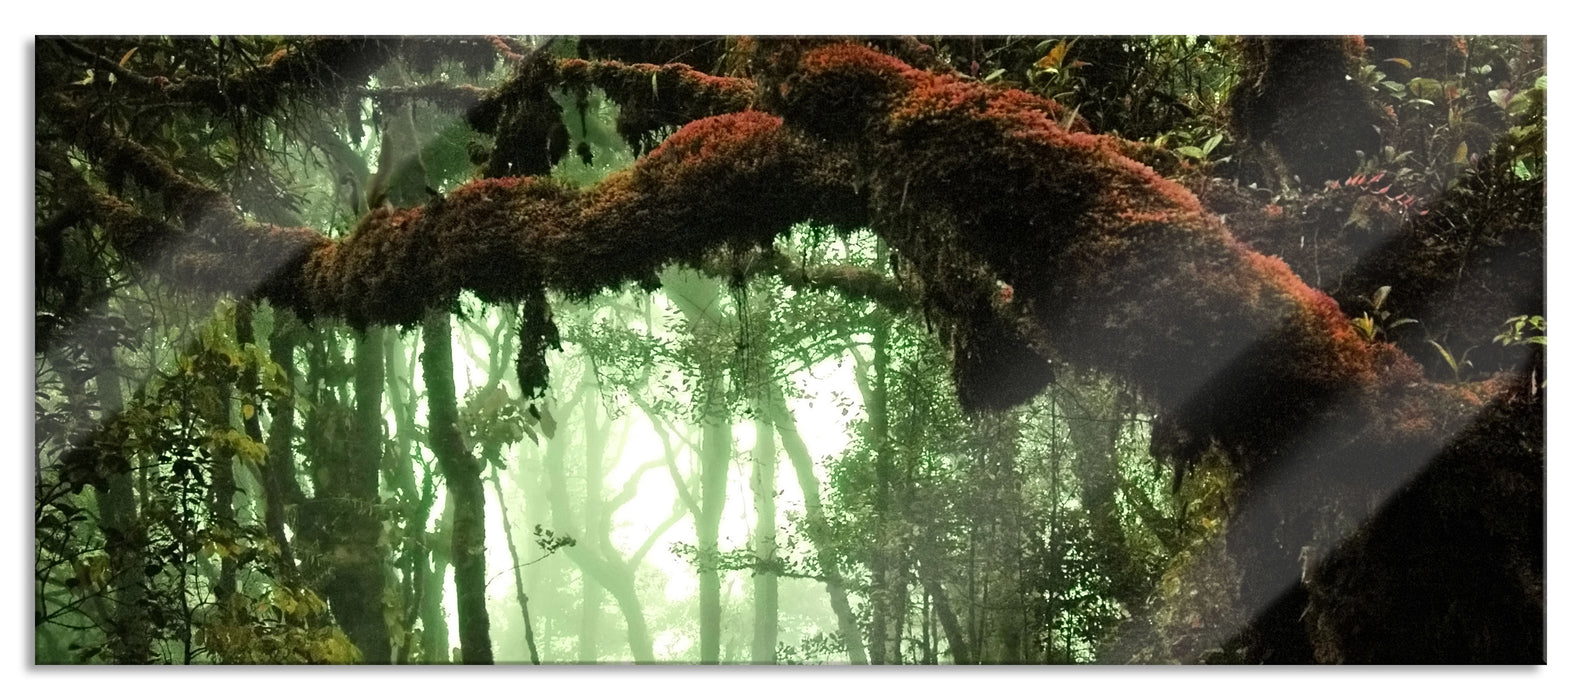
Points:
x=1110, y=267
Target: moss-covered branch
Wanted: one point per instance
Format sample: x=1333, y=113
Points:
x=1030, y=239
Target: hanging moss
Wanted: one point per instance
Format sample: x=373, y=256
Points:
x=537, y=336
x=654, y=97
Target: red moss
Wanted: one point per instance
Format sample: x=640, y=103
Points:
x=838, y=91
x=1123, y=270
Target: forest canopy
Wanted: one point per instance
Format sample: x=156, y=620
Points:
x=790, y=350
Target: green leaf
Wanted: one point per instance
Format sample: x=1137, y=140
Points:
x=1213, y=141
x=1522, y=169
x=1364, y=326
x=1449, y=359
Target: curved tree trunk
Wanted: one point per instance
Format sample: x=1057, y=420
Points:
x=818, y=525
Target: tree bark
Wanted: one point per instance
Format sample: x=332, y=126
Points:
x=698, y=299
x=824, y=546
x=222, y=490
x=280, y=468
x=463, y=484
x=130, y=625
x=959, y=652
x=516, y=569
x=881, y=590
x=766, y=591
x=617, y=580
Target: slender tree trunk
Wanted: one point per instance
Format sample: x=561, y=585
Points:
x=818, y=526
x=616, y=579
x=463, y=484
x=222, y=491
x=766, y=589
x=698, y=298
x=592, y=525
x=1054, y=559
x=880, y=589
x=280, y=468
x=588, y=631
x=414, y=559
x=714, y=457
x=130, y=624
x=436, y=630
x=252, y=397
x=959, y=652
x=398, y=381
x=516, y=566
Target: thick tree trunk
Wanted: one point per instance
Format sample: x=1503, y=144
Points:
x=345, y=526
x=463, y=485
